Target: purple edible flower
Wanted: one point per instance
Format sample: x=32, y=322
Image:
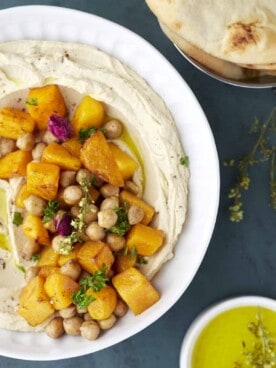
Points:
x=63, y=224
x=60, y=127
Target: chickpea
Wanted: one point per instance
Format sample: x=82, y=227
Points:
x=87, y=317
x=72, y=325
x=54, y=328
x=68, y=312
x=115, y=242
x=91, y=214
x=135, y=214
x=75, y=210
x=120, y=309
x=113, y=129
x=50, y=225
x=109, y=203
x=7, y=145
x=39, y=135
x=82, y=175
x=109, y=190
x=38, y=151
x=72, y=195
x=26, y=142
x=49, y=137
x=35, y=205
x=71, y=269
x=67, y=178
x=106, y=324
x=90, y=330
x=131, y=187
x=57, y=243
x=107, y=218
x=95, y=232
x=31, y=273
x=30, y=247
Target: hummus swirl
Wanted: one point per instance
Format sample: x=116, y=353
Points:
x=126, y=96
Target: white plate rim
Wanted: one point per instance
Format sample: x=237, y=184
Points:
x=36, y=20
x=211, y=312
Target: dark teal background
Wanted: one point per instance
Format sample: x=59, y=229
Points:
x=241, y=257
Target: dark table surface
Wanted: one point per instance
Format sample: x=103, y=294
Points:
x=241, y=256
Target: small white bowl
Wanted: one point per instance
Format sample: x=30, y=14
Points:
x=208, y=314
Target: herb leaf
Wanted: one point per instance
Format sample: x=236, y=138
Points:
x=50, y=211
x=86, y=133
x=35, y=257
x=262, y=151
x=122, y=225
x=184, y=161
x=17, y=219
x=81, y=299
x=32, y=102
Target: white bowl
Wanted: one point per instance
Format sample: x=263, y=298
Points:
x=54, y=23
x=207, y=315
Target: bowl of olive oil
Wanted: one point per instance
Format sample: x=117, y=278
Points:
x=237, y=333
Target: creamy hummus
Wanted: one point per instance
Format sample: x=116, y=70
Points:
x=84, y=70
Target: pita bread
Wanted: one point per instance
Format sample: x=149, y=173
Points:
x=238, y=31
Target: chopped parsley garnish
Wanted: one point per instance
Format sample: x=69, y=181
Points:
x=184, y=160
x=32, y=102
x=96, y=282
x=141, y=260
x=50, y=211
x=133, y=252
x=35, y=257
x=122, y=225
x=17, y=219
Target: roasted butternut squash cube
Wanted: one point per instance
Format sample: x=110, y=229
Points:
x=124, y=261
x=146, y=239
x=48, y=257
x=14, y=123
x=45, y=271
x=104, y=303
x=54, y=153
x=89, y=113
x=59, y=288
x=132, y=199
x=34, y=303
x=135, y=290
x=97, y=157
x=73, y=146
x=33, y=228
x=43, y=179
x=93, y=255
x=126, y=164
x=44, y=101
x=63, y=258
x=21, y=196
x=14, y=164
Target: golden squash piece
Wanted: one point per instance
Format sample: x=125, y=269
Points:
x=54, y=153
x=43, y=179
x=34, y=304
x=89, y=113
x=14, y=164
x=104, y=303
x=33, y=228
x=145, y=239
x=93, y=255
x=126, y=164
x=45, y=271
x=97, y=157
x=132, y=199
x=124, y=261
x=63, y=258
x=135, y=290
x=44, y=101
x=48, y=257
x=21, y=196
x=14, y=123
x=73, y=146
x=59, y=288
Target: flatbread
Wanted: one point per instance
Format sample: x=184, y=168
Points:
x=239, y=31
